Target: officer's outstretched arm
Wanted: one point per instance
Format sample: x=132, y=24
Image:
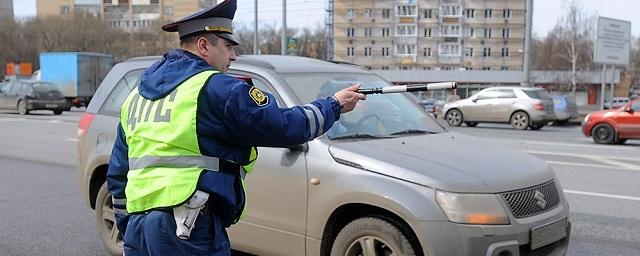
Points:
x=254, y=118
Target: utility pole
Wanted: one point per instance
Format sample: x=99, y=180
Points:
x=255, y=27
x=283, y=44
x=527, y=44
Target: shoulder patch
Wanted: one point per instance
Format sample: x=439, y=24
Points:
x=258, y=96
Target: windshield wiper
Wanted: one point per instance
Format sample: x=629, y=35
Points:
x=358, y=136
x=412, y=131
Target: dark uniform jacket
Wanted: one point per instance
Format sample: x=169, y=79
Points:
x=229, y=122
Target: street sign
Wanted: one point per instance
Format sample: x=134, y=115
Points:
x=613, y=42
x=292, y=46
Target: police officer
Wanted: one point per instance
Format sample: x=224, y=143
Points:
x=188, y=135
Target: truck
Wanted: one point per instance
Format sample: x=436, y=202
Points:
x=77, y=74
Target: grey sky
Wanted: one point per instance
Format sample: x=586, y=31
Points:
x=310, y=13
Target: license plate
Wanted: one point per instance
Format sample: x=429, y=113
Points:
x=51, y=105
x=548, y=233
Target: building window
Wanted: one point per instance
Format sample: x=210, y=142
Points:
x=386, y=13
x=64, y=9
x=351, y=14
x=385, y=32
x=351, y=51
x=468, y=68
x=451, y=10
x=385, y=51
x=471, y=33
x=168, y=10
x=471, y=13
x=351, y=32
x=367, y=32
x=506, y=13
x=450, y=30
x=449, y=50
x=367, y=51
x=468, y=52
x=406, y=10
x=506, y=32
x=428, y=14
x=385, y=67
x=406, y=30
x=426, y=52
x=504, y=68
x=404, y=68
x=406, y=49
x=486, y=52
x=487, y=33
x=368, y=13
x=427, y=32
x=505, y=52
x=486, y=68
x=488, y=13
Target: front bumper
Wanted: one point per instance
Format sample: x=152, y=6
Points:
x=446, y=238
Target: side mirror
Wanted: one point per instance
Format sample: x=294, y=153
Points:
x=474, y=99
x=304, y=147
x=628, y=109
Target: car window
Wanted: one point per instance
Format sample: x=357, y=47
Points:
x=538, y=94
x=635, y=106
x=506, y=93
x=44, y=87
x=485, y=95
x=119, y=93
x=16, y=87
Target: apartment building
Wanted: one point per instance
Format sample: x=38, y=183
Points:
x=6, y=9
x=130, y=15
x=429, y=34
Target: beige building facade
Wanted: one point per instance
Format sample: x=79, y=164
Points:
x=130, y=15
x=429, y=34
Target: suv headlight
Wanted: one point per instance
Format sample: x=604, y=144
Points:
x=478, y=209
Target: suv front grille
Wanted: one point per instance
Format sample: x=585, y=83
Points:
x=532, y=201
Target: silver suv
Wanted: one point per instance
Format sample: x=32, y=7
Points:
x=386, y=179
x=523, y=107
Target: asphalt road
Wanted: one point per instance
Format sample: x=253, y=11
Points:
x=42, y=212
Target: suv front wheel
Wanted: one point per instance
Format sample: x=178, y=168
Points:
x=371, y=236
x=106, y=220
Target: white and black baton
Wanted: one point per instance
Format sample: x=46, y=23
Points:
x=410, y=88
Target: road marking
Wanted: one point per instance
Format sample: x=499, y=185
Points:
x=72, y=139
x=591, y=157
x=590, y=165
x=584, y=193
x=549, y=143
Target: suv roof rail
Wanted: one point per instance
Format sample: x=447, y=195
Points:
x=345, y=63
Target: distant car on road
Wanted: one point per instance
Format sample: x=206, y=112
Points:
x=614, y=125
x=386, y=179
x=522, y=107
x=27, y=95
x=565, y=108
x=615, y=102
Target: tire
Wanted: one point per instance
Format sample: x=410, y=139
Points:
x=603, y=134
x=111, y=237
x=454, y=117
x=57, y=112
x=471, y=124
x=379, y=236
x=519, y=120
x=536, y=126
x=22, y=108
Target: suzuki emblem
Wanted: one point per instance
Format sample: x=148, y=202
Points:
x=540, y=199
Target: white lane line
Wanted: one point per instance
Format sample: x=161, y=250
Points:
x=593, y=157
x=602, y=166
x=72, y=139
x=584, y=193
x=549, y=143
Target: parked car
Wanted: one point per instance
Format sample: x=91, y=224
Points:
x=27, y=95
x=615, y=102
x=386, y=177
x=429, y=104
x=614, y=125
x=565, y=108
x=523, y=107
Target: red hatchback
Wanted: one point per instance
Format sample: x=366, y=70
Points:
x=615, y=125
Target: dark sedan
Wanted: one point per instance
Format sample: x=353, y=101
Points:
x=27, y=95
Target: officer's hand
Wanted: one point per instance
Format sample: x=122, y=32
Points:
x=348, y=97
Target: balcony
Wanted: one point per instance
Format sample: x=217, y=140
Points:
x=449, y=59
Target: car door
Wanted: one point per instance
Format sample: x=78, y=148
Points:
x=480, y=106
x=276, y=209
x=629, y=121
x=501, y=108
x=4, y=89
x=13, y=95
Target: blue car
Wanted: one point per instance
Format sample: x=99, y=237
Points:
x=565, y=107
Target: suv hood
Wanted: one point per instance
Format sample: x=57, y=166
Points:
x=449, y=161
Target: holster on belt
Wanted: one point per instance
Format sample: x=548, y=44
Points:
x=186, y=214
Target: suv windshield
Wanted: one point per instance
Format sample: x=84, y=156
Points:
x=380, y=116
